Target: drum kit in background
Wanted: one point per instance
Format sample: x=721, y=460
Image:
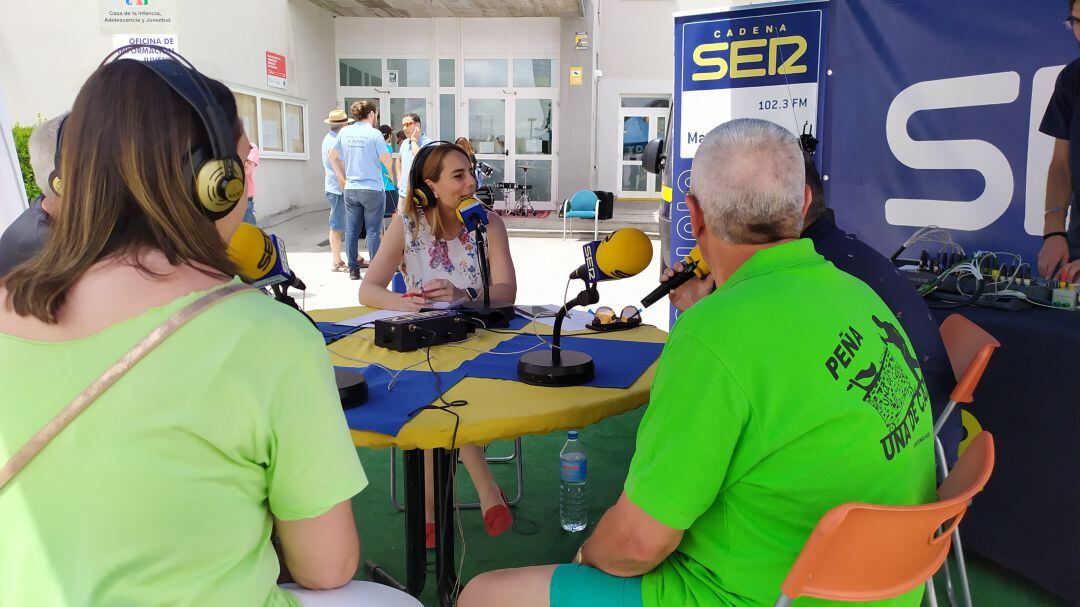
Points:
x=515, y=196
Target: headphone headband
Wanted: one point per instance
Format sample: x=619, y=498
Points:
x=190, y=84
x=217, y=174
x=421, y=193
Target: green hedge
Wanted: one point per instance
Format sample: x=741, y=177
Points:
x=21, y=135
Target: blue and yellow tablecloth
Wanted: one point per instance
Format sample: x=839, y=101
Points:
x=497, y=408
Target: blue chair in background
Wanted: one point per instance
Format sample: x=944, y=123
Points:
x=582, y=205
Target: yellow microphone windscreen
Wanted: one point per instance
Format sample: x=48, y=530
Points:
x=702, y=269
x=252, y=251
x=624, y=252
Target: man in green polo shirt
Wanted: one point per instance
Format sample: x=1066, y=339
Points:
x=789, y=390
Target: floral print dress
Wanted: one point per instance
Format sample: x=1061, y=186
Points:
x=427, y=257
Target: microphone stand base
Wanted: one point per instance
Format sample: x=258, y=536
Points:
x=495, y=316
x=352, y=387
x=539, y=369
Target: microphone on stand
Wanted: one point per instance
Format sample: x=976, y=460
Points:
x=261, y=260
x=474, y=216
x=621, y=254
x=694, y=265
x=472, y=213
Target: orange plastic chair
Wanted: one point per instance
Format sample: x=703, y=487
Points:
x=865, y=552
x=969, y=348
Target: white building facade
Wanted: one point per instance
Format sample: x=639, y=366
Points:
x=562, y=100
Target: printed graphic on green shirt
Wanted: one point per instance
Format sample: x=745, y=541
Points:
x=893, y=385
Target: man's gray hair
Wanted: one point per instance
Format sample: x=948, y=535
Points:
x=42, y=148
x=748, y=176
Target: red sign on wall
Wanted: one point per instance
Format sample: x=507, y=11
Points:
x=275, y=70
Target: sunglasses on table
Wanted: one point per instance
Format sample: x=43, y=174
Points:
x=605, y=319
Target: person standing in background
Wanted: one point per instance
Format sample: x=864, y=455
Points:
x=26, y=235
x=1061, y=225
x=388, y=177
x=414, y=140
x=357, y=153
x=250, y=163
x=333, y=188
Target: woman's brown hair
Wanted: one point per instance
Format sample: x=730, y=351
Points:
x=127, y=187
x=465, y=144
x=432, y=169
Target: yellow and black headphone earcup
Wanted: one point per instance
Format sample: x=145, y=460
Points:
x=56, y=185
x=419, y=197
x=217, y=189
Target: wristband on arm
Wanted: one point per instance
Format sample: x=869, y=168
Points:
x=1052, y=234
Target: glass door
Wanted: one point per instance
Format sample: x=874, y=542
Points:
x=532, y=152
x=508, y=112
x=486, y=115
x=639, y=126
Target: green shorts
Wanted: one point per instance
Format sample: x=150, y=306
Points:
x=583, y=586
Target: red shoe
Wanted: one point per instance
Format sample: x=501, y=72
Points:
x=498, y=519
x=429, y=535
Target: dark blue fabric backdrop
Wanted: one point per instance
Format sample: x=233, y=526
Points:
x=878, y=48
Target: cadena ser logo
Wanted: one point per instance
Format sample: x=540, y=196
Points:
x=137, y=2
x=757, y=50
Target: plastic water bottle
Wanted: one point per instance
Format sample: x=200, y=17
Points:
x=573, y=510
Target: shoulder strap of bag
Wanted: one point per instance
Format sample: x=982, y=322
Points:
x=81, y=402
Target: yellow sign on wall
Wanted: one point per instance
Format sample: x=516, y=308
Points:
x=575, y=76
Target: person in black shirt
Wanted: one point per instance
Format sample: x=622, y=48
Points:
x=26, y=235
x=855, y=257
x=1061, y=242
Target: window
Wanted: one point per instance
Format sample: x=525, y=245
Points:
x=446, y=72
x=270, y=127
x=408, y=72
x=533, y=129
x=248, y=108
x=294, y=128
x=447, y=109
x=534, y=72
x=360, y=72
x=276, y=125
x=646, y=102
x=485, y=72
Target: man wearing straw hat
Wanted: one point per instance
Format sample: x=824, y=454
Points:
x=335, y=184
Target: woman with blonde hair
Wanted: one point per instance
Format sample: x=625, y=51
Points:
x=168, y=488
x=437, y=256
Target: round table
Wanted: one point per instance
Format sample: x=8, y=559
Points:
x=498, y=409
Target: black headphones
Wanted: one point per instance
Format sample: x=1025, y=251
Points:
x=217, y=173
x=54, y=177
x=422, y=196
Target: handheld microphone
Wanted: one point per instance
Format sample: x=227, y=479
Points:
x=472, y=213
x=693, y=266
x=621, y=254
x=261, y=258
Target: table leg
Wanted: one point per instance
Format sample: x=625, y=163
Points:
x=445, y=576
x=415, y=550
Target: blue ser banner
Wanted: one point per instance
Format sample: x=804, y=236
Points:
x=747, y=62
x=931, y=117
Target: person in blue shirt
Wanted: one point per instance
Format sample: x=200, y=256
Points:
x=358, y=153
x=855, y=257
x=414, y=140
x=389, y=183
x=337, y=120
